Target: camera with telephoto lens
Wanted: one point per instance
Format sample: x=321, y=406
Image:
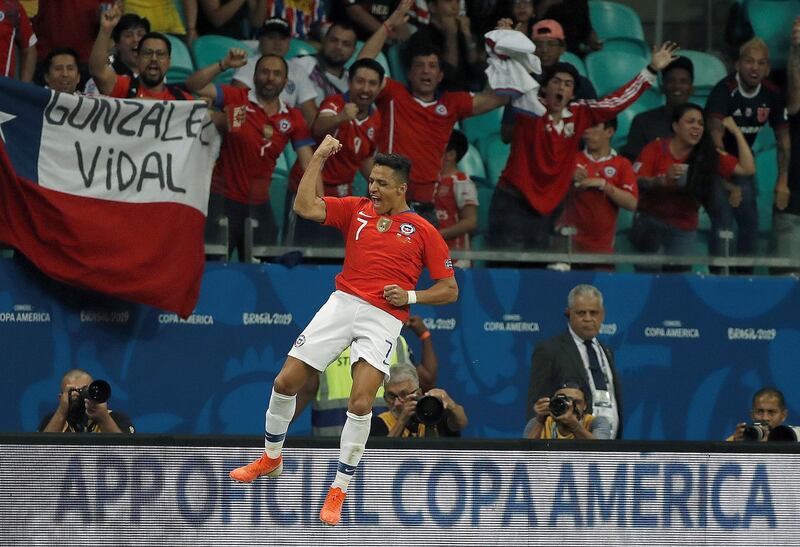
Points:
x=429, y=411
x=757, y=431
x=98, y=392
x=560, y=404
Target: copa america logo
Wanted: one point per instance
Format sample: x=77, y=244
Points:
x=300, y=341
x=407, y=229
x=284, y=126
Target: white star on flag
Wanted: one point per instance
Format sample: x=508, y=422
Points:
x=4, y=117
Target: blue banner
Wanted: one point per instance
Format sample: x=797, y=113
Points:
x=691, y=350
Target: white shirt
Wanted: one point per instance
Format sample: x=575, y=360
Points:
x=305, y=68
x=298, y=88
x=610, y=412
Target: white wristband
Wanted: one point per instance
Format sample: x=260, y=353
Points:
x=412, y=297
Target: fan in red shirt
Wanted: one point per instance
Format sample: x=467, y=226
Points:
x=604, y=182
x=153, y=58
x=258, y=125
x=16, y=32
x=417, y=121
x=386, y=246
x=353, y=119
x=676, y=175
x=540, y=166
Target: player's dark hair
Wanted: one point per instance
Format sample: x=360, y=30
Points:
x=423, y=48
x=612, y=123
x=770, y=392
x=681, y=62
x=703, y=159
x=156, y=36
x=343, y=24
x=459, y=143
x=565, y=68
x=271, y=56
x=371, y=64
x=48, y=61
x=129, y=21
x=401, y=165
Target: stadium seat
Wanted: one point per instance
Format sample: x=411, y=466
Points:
x=627, y=45
x=211, y=48
x=485, y=124
x=360, y=186
x=381, y=58
x=772, y=22
x=181, y=65
x=708, y=70
x=624, y=120
x=613, y=20
x=395, y=58
x=766, y=175
x=575, y=61
x=651, y=98
x=298, y=47
x=608, y=70
x=472, y=165
x=765, y=140
x=495, y=154
x=277, y=193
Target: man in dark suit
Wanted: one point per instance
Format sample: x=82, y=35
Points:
x=577, y=353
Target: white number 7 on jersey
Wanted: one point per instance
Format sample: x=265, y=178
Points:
x=363, y=223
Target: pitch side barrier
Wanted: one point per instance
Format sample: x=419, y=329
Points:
x=162, y=490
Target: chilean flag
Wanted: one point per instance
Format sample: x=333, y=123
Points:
x=107, y=194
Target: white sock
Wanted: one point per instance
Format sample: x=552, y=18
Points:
x=351, y=448
x=279, y=414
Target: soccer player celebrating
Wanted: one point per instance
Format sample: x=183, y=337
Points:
x=386, y=246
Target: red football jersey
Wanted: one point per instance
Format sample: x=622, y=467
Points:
x=248, y=155
x=420, y=131
x=453, y=193
x=358, y=138
x=123, y=86
x=16, y=31
x=591, y=211
x=542, y=158
x=673, y=204
x=385, y=250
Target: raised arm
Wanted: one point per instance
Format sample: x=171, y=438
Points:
x=104, y=76
x=190, y=11
x=327, y=122
x=486, y=101
x=200, y=80
x=747, y=164
x=375, y=43
x=307, y=204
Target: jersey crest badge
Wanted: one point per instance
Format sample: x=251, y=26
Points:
x=762, y=114
x=290, y=87
x=371, y=133
x=384, y=224
x=284, y=126
x=441, y=110
x=407, y=229
x=609, y=171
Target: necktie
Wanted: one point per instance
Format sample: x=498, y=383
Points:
x=594, y=367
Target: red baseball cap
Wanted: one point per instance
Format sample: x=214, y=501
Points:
x=548, y=28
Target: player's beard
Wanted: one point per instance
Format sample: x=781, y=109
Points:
x=151, y=82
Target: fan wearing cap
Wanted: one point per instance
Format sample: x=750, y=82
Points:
x=548, y=37
x=538, y=173
x=565, y=416
x=677, y=82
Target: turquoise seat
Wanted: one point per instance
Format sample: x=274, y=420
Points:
x=211, y=48
x=624, y=120
x=765, y=139
x=472, y=165
x=708, y=70
x=609, y=70
x=613, y=20
x=495, y=155
x=766, y=175
x=575, y=61
x=485, y=124
x=651, y=98
x=360, y=185
x=298, y=47
x=625, y=44
x=181, y=65
x=772, y=22
x=381, y=58
x=277, y=193
x=395, y=59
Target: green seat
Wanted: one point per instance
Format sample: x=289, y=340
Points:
x=651, y=98
x=634, y=46
x=211, y=48
x=381, y=58
x=495, y=155
x=765, y=139
x=575, y=61
x=181, y=65
x=772, y=21
x=395, y=58
x=472, y=165
x=624, y=120
x=613, y=20
x=708, y=70
x=298, y=47
x=277, y=193
x=766, y=175
x=485, y=124
x=609, y=70
x=360, y=185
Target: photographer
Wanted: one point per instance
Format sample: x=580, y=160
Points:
x=403, y=419
x=564, y=417
x=78, y=413
x=768, y=411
